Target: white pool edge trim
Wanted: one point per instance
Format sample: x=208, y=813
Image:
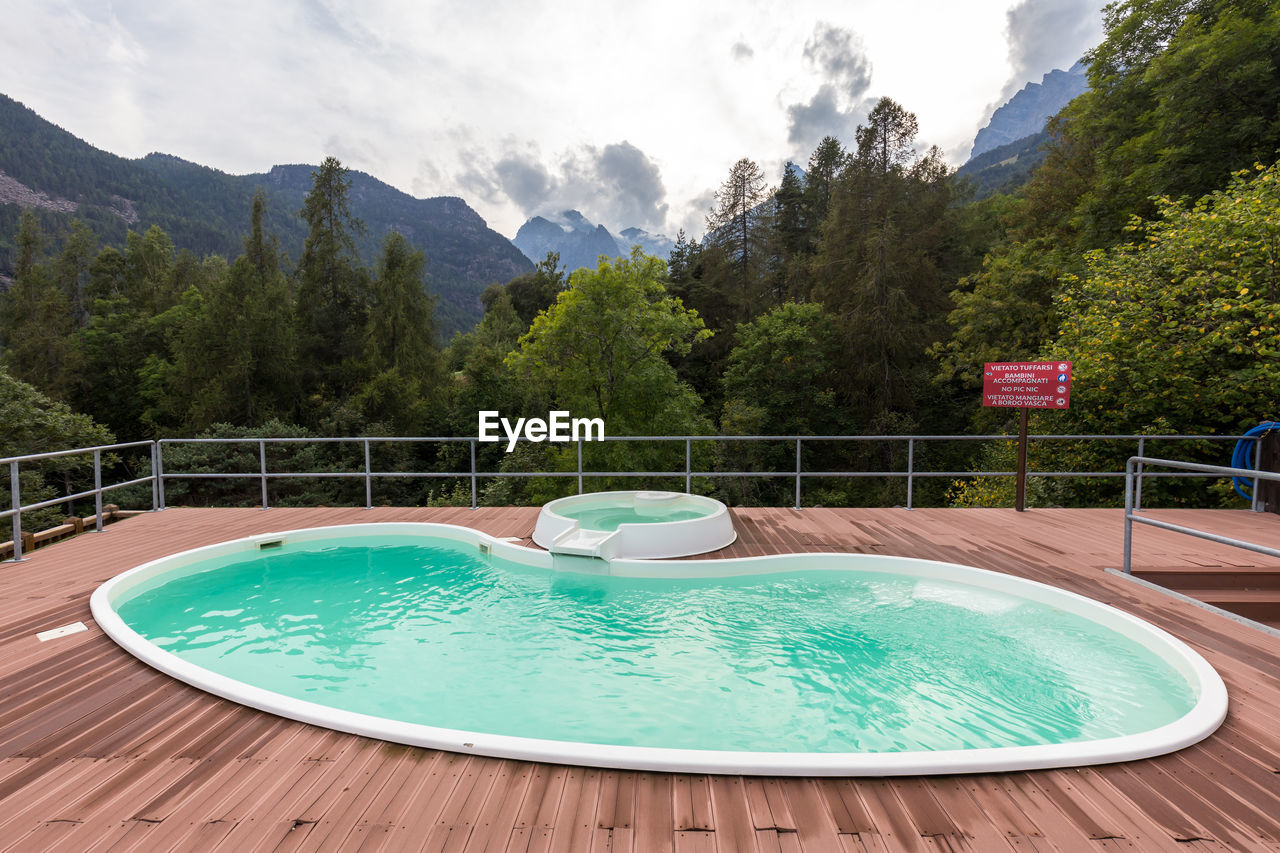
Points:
x=1201, y=721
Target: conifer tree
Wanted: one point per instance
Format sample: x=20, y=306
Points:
x=331, y=288
x=737, y=235
x=401, y=328
x=234, y=349
x=35, y=316
x=876, y=268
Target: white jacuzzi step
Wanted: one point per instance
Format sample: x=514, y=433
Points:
x=586, y=543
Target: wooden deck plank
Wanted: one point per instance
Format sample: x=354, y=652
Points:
x=97, y=751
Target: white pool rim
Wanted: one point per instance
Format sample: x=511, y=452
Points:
x=1201, y=721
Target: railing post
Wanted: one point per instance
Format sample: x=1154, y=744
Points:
x=1128, y=517
x=579, y=466
x=157, y=471
x=16, y=497
x=797, y=473
x=688, y=466
x=473, y=473
x=155, y=485
x=1137, y=492
x=262, y=470
x=1257, y=466
x=97, y=486
x=911, y=469
x=368, y=478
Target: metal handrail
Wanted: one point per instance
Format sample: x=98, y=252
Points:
x=159, y=476
x=1134, y=471
x=17, y=507
x=688, y=473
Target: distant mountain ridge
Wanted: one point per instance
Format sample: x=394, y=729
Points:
x=1007, y=167
x=207, y=211
x=580, y=243
x=1028, y=111
x=1012, y=145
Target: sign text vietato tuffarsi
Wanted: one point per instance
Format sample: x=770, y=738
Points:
x=1027, y=384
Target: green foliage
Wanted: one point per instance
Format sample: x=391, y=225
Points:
x=1005, y=168
x=332, y=288
x=1005, y=312
x=35, y=316
x=243, y=457
x=1182, y=94
x=233, y=355
x=783, y=378
x=1180, y=326
x=877, y=268
x=31, y=422
x=601, y=350
x=1002, y=491
x=736, y=251
x=533, y=293
x=786, y=367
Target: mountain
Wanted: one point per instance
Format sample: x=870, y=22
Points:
x=579, y=243
x=658, y=245
x=1007, y=167
x=1027, y=112
x=207, y=211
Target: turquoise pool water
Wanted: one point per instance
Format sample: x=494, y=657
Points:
x=609, y=517
x=433, y=632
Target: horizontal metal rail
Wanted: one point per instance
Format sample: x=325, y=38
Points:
x=1134, y=470
x=798, y=474
x=158, y=476
x=17, y=507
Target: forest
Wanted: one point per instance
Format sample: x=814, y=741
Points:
x=860, y=296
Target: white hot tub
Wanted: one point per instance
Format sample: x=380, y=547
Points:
x=634, y=525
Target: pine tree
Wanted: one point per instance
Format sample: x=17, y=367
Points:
x=331, y=288
x=737, y=234
x=876, y=269
x=35, y=316
x=401, y=328
x=234, y=355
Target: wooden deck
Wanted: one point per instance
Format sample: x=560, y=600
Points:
x=99, y=752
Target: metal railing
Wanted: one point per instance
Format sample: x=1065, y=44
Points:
x=688, y=473
x=159, y=476
x=17, y=507
x=1134, y=471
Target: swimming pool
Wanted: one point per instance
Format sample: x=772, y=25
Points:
x=634, y=525
x=809, y=664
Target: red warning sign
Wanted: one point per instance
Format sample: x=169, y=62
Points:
x=1033, y=384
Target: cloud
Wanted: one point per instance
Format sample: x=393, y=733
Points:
x=1048, y=34
x=821, y=116
x=692, y=215
x=641, y=196
x=741, y=51
x=524, y=180
x=835, y=109
x=838, y=54
x=617, y=185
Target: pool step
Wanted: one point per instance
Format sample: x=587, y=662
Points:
x=1249, y=591
x=1261, y=605
x=586, y=543
x=1212, y=577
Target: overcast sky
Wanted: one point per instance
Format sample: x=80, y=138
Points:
x=630, y=112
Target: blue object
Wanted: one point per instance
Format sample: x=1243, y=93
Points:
x=1241, y=457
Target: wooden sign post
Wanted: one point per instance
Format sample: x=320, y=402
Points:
x=1026, y=385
